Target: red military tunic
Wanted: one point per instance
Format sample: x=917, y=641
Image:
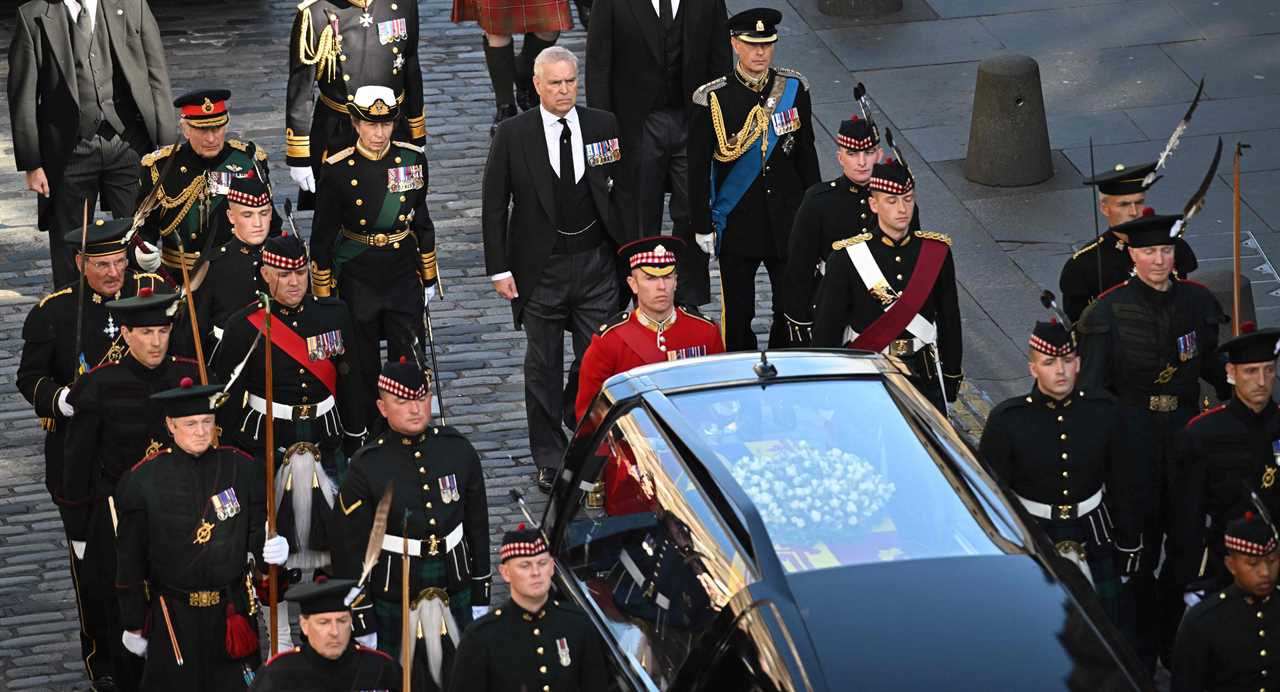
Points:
x=625, y=342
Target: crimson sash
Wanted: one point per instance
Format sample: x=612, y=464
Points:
x=296, y=348
x=889, y=326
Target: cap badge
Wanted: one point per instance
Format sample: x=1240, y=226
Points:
x=759, y=25
x=1119, y=167
x=379, y=107
x=207, y=106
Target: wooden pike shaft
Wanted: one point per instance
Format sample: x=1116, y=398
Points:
x=1235, y=235
x=406, y=647
x=272, y=595
x=191, y=313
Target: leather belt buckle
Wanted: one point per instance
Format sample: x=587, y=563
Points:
x=303, y=412
x=1163, y=403
x=379, y=239
x=204, y=599
x=1066, y=511
x=900, y=347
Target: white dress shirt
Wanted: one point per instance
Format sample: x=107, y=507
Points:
x=90, y=6
x=552, y=128
x=675, y=7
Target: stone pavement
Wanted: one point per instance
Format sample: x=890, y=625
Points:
x=1126, y=88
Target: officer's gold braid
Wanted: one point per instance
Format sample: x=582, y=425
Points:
x=325, y=55
x=729, y=149
x=183, y=201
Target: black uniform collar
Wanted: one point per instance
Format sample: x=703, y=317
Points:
x=1042, y=400
x=280, y=309
x=1150, y=294
x=1246, y=414
x=1111, y=241
x=142, y=372
x=527, y=616
x=756, y=86
x=193, y=157
x=851, y=186
x=884, y=238
x=319, y=662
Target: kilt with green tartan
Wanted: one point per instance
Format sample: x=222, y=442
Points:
x=430, y=574
x=1092, y=532
x=510, y=17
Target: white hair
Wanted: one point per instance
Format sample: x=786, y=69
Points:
x=554, y=54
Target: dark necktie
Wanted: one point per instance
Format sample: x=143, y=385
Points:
x=564, y=190
x=665, y=15
x=82, y=34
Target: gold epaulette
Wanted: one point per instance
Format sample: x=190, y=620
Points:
x=238, y=145
x=340, y=155
x=409, y=146
x=55, y=294
x=302, y=6
x=854, y=240
x=700, y=94
x=788, y=72
x=150, y=159
x=1084, y=249
x=933, y=235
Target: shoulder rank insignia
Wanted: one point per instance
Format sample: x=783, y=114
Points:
x=237, y=145
x=340, y=155
x=305, y=4
x=700, y=94
x=932, y=235
x=615, y=321
x=788, y=72
x=1084, y=249
x=854, y=240
x=55, y=294
x=408, y=145
x=151, y=158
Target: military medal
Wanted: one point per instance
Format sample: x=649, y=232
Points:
x=786, y=121
x=1187, y=346
x=562, y=645
x=603, y=152
x=446, y=495
x=204, y=533
x=226, y=504
x=1269, y=477
x=219, y=182
x=1166, y=375
x=325, y=346
x=399, y=62
x=404, y=178
x=392, y=31
x=111, y=329
x=366, y=19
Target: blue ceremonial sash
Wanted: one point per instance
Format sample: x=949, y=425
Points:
x=745, y=170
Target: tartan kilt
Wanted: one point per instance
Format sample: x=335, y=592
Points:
x=510, y=17
x=1093, y=532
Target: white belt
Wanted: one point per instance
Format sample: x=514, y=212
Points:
x=395, y=544
x=869, y=271
x=287, y=412
x=1060, y=512
x=916, y=343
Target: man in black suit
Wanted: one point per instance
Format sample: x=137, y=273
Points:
x=88, y=95
x=644, y=60
x=551, y=252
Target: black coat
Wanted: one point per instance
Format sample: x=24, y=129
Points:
x=43, y=103
x=1080, y=282
x=519, y=209
x=1227, y=643
x=625, y=56
x=303, y=670
x=512, y=649
x=233, y=281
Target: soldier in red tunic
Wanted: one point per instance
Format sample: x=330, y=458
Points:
x=655, y=331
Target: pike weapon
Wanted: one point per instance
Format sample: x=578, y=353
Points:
x=1050, y=303
x=436, y=380
x=1261, y=507
x=373, y=550
x=1196, y=203
x=269, y=439
x=1097, y=230
x=1174, y=139
x=84, y=241
x=406, y=644
x=518, y=498
x=1235, y=236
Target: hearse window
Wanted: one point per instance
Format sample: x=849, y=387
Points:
x=648, y=551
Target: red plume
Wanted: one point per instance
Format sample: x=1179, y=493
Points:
x=1248, y=327
x=186, y=382
x=1248, y=516
x=402, y=360
x=242, y=639
x=145, y=292
x=520, y=527
x=1148, y=211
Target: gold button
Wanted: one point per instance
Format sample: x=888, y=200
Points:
x=426, y=486
x=359, y=203
x=394, y=49
x=432, y=522
x=897, y=259
x=546, y=688
x=1063, y=436
x=351, y=162
x=182, y=168
x=899, y=277
x=539, y=650
x=354, y=182
x=403, y=198
x=394, y=6
x=350, y=97
x=401, y=217
x=536, y=631
x=304, y=385
x=1064, y=455
x=395, y=246
x=422, y=469
x=417, y=455
x=1059, y=419
x=397, y=159
x=343, y=58
x=301, y=371
x=363, y=222
x=346, y=78
x=1028, y=400
x=542, y=669
x=1065, y=493
x=1066, y=474
x=428, y=505
x=864, y=216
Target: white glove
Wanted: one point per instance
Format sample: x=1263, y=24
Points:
x=65, y=406
x=1192, y=597
x=706, y=241
x=134, y=643
x=147, y=256
x=303, y=176
x=478, y=612
x=368, y=641
x=352, y=595
x=429, y=292
x=78, y=547
x=275, y=550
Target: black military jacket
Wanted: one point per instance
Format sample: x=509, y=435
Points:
x=1079, y=279
x=49, y=359
x=437, y=479
x=378, y=199
x=1063, y=452
x=187, y=524
x=844, y=301
x=1137, y=342
x=232, y=282
x=332, y=45
x=116, y=425
x=556, y=648
x=1221, y=455
x=1228, y=643
x=304, y=670
x=193, y=197
x=830, y=212
x=326, y=326
x=761, y=222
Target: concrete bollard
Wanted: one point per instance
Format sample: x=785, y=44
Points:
x=859, y=8
x=1008, y=136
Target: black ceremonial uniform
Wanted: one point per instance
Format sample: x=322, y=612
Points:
x=1069, y=457
x=556, y=648
x=1221, y=452
x=1227, y=643
x=192, y=200
x=303, y=670
x=187, y=524
x=232, y=282
x=437, y=479
x=757, y=228
x=1079, y=281
x=373, y=241
x=334, y=46
x=845, y=303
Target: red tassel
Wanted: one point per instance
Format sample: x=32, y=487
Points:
x=242, y=639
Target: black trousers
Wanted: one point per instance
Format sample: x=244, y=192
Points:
x=201, y=634
x=661, y=164
x=738, y=301
x=105, y=167
x=575, y=293
x=382, y=308
x=94, y=580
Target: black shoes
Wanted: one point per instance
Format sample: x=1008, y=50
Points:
x=504, y=111
x=546, y=478
x=526, y=97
